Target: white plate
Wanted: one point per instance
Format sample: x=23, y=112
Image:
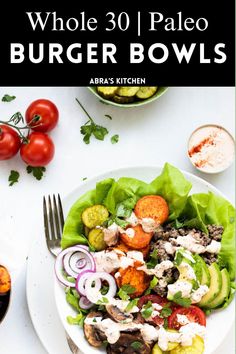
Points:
x=40, y=279
x=40, y=297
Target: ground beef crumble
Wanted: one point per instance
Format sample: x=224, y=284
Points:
x=168, y=232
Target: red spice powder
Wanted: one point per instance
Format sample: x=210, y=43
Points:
x=197, y=148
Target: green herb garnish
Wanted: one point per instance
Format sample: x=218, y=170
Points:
x=8, y=98
x=36, y=171
x=153, y=259
x=13, y=177
x=125, y=291
x=91, y=128
x=178, y=258
x=131, y=304
x=136, y=345
x=166, y=311
x=147, y=310
x=108, y=116
x=104, y=290
x=115, y=139
x=102, y=301
x=182, y=301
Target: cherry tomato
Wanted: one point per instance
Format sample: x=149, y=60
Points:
x=193, y=313
x=38, y=151
x=156, y=299
x=46, y=114
x=9, y=142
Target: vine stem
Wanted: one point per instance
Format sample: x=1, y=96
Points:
x=16, y=128
x=91, y=120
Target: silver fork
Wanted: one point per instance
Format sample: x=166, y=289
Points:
x=53, y=227
x=53, y=223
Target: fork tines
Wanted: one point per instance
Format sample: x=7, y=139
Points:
x=53, y=221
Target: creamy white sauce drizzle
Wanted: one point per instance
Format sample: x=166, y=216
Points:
x=108, y=261
x=197, y=294
x=149, y=333
x=192, y=245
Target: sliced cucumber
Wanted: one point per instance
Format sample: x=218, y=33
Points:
x=107, y=91
x=197, y=347
x=127, y=91
x=225, y=289
x=94, y=216
x=215, y=286
x=146, y=91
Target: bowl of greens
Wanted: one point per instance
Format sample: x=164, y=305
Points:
x=147, y=264
x=127, y=96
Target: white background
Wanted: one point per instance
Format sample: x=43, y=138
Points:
x=149, y=135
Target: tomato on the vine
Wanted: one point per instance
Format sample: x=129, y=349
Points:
x=38, y=150
x=10, y=142
x=42, y=115
x=193, y=314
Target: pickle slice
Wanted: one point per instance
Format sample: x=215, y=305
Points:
x=107, y=91
x=94, y=216
x=127, y=91
x=197, y=347
x=119, y=99
x=146, y=92
x=96, y=239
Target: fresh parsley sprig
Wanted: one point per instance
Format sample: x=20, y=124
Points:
x=36, y=171
x=13, y=177
x=91, y=128
x=182, y=301
x=8, y=98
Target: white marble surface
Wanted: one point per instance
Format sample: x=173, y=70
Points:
x=149, y=135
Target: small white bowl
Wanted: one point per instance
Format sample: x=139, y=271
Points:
x=211, y=148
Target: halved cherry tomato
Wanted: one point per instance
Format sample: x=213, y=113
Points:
x=9, y=142
x=139, y=240
x=193, y=313
x=38, y=151
x=155, y=299
x=152, y=206
x=45, y=114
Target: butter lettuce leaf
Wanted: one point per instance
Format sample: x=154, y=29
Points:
x=73, y=232
x=207, y=208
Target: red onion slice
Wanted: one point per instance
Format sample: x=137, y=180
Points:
x=93, y=293
x=70, y=260
x=84, y=303
x=75, y=261
x=81, y=280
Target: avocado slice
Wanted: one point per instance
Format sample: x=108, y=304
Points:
x=224, y=290
x=205, y=274
x=215, y=285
